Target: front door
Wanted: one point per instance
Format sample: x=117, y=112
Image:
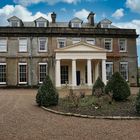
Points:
x=78, y=77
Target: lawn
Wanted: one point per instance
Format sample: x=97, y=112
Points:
x=91, y=105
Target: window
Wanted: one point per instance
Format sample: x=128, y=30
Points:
x=109, y=70
x=108, y=44
x=42, y=44
x=124, y=70
x=22, y=73
x=41, y=24
x=76, y=40
x=91, y=41
x=105, y=25
x=122, y=45
x=64, y=74
x=15, y=23
x=42, y=71
x=61, y=42
x=2, y=73
x=76, y=25
x=3, y=45
x=22, y=44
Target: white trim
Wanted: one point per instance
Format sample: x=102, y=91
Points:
x=61, y=39
x=110, y=63
x=3, y=63
x=40, y=82
x=77, y=39
x=20, y=38
x=2, y=83
x=22, y=63
x=79, y=25
x=6, y=44
x=111, y=44
x=125, y=45
x=94, y=40
x=46, y=44
x=22, y=82
x=127, y=69
x=45, y=24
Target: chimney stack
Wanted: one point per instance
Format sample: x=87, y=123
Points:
x=53, y=16
x=91, y=18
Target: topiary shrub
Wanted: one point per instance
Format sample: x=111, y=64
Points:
x=138, y=103
x=47, y=94
x=98, y=87
x=118, y=87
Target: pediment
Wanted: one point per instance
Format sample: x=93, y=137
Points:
x=14, y=18
x=106, y=21
x=81, y=47
x=41, y=19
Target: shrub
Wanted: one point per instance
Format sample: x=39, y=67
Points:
x=47, y=94
x=118, y=87
x=138, y=103
x=98, y=87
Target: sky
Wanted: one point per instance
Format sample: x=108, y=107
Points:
x=123, y=13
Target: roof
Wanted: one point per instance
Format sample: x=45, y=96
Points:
x=14, y=18
x=76, y=19
x=41, y=19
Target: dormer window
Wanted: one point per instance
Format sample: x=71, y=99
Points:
x=105, y=25
x=15, y=23
x=41, y=24
x=76, y=25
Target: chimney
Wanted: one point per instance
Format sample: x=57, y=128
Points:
x=91, y=18
x=53, y=16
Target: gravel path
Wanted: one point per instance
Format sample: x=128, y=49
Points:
x=21, y=119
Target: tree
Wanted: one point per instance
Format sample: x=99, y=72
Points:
x=47, y=94
x=138, y=103
x=118, y=86
x=98, y=87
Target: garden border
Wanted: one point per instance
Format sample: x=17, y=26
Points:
x=91, y=117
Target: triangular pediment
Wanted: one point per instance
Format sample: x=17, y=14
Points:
x=81, y=47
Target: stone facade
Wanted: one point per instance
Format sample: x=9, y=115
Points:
x=12, y=57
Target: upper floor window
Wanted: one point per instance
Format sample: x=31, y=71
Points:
x=76, y=40
x=76, y=25
x=122, y=45
x=15, y=23
x=109, y=70
x=42, y=44
x=91, y=41
x=41, y=24
x=61, y=42
x=3, y=45
x=124, y=70
x=2, y=73
x=22, y=44
x=108, y=44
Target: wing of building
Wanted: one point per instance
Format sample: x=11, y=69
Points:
x=73, y=53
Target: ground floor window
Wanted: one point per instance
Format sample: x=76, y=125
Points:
x=109, y=70
x=22, y=73
x=2, y=73
x=42, y=71
x=64, y=74
x=124, y=70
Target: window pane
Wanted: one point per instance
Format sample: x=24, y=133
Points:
x=76, y=40
x=108, y=44
x=122, y=44
x=109, y=70
x=42, y=72
x=61, y=43
x=64, y=74
x=91, y=41
x=22, y=45
x=3, y=45
x=23, y=73
x=2, y=73
x=42, y=44
x=124, y=70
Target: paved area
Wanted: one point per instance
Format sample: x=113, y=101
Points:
x=21, y=119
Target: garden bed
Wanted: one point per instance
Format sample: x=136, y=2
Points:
x=88, y=106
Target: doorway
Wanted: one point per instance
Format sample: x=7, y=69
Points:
x=78, y=77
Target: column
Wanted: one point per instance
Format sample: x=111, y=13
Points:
x=57, y=73
x=96, y=70
x=104, y=71
x=74, y=73
x=89, y=75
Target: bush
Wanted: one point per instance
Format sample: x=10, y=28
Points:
x=138, y=103
x=118, y=87
x=47, y=94
x=98, y=87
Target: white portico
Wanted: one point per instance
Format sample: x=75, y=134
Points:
x=79, y=63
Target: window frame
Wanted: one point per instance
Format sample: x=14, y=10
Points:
x=111, y=44
x=111, y=63
x=65, y=74
x=125, y=45
x=93, y=39
x=58, y=45
x=20, y=38
x=6, y=44
x=22, y=64
x=38, y=22
x=76, y=23
x=16, y=21
x=39, y=64
x=127, y=70
x=77, y=40
x=4, y=64
x=46, y=44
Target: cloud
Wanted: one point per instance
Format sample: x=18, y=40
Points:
x=50, y=2
x=63, y=9
x=134, y=5
x=21, y=12
x=119, y=13
x=82, y=14
x=135, y=24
